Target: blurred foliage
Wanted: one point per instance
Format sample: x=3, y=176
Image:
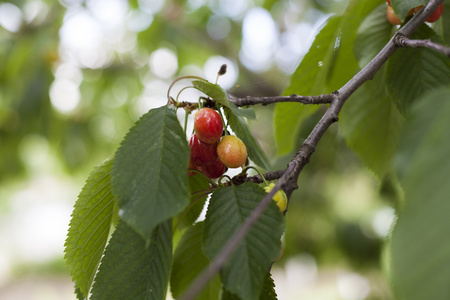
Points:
x=329, y=216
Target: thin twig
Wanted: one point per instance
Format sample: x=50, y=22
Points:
x=403, y=41
x=288, y=181
x=321, y=99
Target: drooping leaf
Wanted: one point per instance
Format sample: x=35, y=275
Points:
x=371, y=125
x=255, y=152
x=420, y=249
x=149, y=171
x=219, y=95
x=372, y=35
x=188, y=262
x=268, y=292
x=246, y=269
x=329, y=64
x=89, y=227
x=413, y=71
x=133, y=268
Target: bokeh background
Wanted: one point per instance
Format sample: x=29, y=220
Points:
x=74, y=77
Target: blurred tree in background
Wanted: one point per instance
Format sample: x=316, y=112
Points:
x=75, y=75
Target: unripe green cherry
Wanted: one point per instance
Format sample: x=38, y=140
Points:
x=232, y=151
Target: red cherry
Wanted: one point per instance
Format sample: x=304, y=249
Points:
x=388, y=2
x=202, y=154
x=208, y=125
x=214, y=170
x=192, y=166
x=436, y=14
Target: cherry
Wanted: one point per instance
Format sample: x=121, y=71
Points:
x=436, y=14
x=392, y=17
x=208, y=125
x=280, y=197
x=214, y=170
x=232, y=151
x=192, y=166
x=202, y=154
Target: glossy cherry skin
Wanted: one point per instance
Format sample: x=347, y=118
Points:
x=232, y=151
x=214, y=170
x=202, y=154
x=208, y=125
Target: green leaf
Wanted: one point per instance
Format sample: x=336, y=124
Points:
x=420, y=249
x=149, y=171
x=246, y=269
x=309, y=79
x=268, y=292
x=212, y=90
x=442, y=26
x=402, y=7
x=328, y=65
x=370, y=124
x=197, y=183
x=372, y=35
x=344, y=64
x=89, y=227
x=248, y=113
x=188, y=262
x=79, y=294
x=219, y=95
x=255, y=152
x=131, y=269
x=413, y=71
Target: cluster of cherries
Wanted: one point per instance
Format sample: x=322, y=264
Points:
x=212, y=152
x=395, y=20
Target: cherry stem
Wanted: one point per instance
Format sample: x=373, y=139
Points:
x=223, y=121
x=204, y=175
x=186, y=121
x=181, y=78
x=257, y=171
x=222, y=177
x=183, y=89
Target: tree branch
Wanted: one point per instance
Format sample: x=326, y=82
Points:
x=321, y=99
x=403, y=41
x=288, y=181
